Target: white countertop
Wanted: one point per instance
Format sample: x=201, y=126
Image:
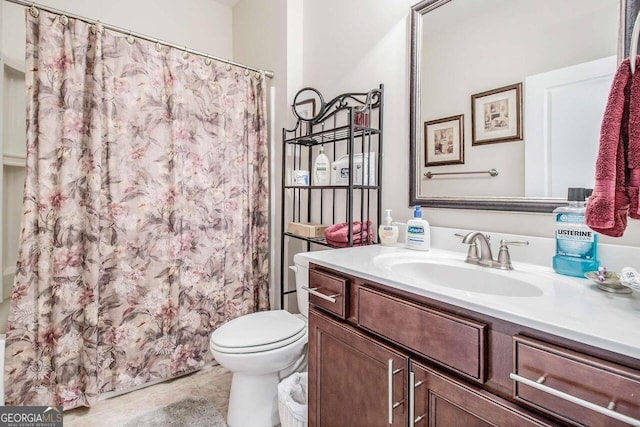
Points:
x=569, y=307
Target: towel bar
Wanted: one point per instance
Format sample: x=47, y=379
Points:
x=491, y=172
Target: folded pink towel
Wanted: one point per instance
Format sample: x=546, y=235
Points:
x=338, y=234
x=357, y=241
x=608, y=206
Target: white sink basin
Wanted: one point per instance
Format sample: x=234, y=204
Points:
x=424, y=270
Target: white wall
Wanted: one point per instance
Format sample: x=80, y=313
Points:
x=260, y=38
x=353, y=46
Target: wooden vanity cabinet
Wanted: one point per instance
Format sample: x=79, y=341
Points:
x=383, y=351
x=354, y=380
x=441, y=400
x=368, y=348
x=592, y=380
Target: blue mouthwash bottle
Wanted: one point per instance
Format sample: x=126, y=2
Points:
x=576, y=244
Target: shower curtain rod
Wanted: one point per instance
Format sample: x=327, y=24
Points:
x=267, y=73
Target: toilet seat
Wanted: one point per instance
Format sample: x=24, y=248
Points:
x=258, y=332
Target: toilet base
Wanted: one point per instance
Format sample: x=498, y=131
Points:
x=253, y=401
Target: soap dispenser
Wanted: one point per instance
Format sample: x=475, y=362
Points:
x=418, y=232
x=387, y=232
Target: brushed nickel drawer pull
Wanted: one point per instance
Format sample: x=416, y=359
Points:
x=412, y=400
x=314, y=291
x=390, y=373
x=580, y=402
x=390, y=389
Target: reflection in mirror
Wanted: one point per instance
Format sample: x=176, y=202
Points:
x=470, y=54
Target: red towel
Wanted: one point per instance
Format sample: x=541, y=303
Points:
x=356, y=242
x=338, y=234
x=608, y=206
x=633, y=153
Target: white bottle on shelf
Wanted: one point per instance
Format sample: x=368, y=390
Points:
x=321, y=169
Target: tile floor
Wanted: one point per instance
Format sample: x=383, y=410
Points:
x=212, y=382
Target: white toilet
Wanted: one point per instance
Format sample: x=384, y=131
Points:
x=260, y=349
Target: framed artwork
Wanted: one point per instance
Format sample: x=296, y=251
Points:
x=496, y=115
x=306, y=109
x=444, y=141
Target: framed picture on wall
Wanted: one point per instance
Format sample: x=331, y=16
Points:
x=306, y=109
x=496, y=115
x=444, y=141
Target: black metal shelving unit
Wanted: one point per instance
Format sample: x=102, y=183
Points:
x=348, y=125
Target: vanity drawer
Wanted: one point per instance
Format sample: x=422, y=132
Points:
x=451, y=341
x=328, y=292
x=586, y=378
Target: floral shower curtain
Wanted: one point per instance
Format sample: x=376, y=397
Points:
x=145, y=212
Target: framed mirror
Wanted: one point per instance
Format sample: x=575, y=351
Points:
x=308, y=104
x=529, y=80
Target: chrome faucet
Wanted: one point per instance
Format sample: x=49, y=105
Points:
x=479, y=242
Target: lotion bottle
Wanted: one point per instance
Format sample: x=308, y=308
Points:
x=321, y=169
x=387, y=232
x=418, y=232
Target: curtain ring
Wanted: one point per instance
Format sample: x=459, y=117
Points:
x=258, y=75
x=185, y=54
x=228, y=67
x=207, y=61
x=246, y=71
x=94, y=27
x=33, y=10
x=131, y=39
x=158, y=46
x=64, y=20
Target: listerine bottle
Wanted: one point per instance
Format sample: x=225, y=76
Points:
x=576, y=244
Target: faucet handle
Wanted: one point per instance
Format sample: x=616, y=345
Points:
x=504, y=258
x=473, y=256
x=514, y=242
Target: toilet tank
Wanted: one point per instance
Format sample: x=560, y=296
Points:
x=301, y=269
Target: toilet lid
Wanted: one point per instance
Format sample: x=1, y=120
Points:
x=257, y=330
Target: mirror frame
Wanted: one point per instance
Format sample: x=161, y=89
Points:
x=628, y=11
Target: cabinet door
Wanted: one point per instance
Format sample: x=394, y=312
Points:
x=353, y=380
x=443, y=401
